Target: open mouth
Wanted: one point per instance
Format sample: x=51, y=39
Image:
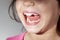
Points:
x=31, y=18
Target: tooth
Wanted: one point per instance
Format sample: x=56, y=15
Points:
x=28, y=14
x=28, y=20
x=35, y=14
x=34, y=21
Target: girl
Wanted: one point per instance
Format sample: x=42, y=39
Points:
x=39, y=17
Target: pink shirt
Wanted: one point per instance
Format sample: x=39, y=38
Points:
x=18, y=37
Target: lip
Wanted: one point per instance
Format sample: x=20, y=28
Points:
x=31, y=12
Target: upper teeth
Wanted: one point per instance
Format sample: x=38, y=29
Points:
x=29, y=14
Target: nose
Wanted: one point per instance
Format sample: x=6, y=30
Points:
x=29, y=3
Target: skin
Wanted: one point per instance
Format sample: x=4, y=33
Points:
x=46, y=28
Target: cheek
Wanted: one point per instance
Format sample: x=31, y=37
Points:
x=19, y=6
x=19, y=11
x=48, y=12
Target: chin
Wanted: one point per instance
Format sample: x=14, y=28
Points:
x=36, y=30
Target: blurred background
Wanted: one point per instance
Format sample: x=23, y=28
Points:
x=8, y=27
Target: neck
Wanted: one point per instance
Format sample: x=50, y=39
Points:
x=51, y=34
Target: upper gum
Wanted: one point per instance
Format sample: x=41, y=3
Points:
x=30, y=13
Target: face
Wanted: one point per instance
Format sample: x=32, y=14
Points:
x=37, y=15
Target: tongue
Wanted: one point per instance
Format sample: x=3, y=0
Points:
x=33, y=18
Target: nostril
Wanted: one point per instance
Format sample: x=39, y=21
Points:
x=28, y=3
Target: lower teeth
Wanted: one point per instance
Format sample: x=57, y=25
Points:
x=28, y=20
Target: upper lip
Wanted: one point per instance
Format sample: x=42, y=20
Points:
x=30, y=12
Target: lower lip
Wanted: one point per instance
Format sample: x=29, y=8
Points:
x=31, y=24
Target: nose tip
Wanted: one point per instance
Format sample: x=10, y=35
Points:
x=29, y=3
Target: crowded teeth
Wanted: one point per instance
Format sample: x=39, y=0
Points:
x=32, y=17
x=30, y=14
x=28, y=20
